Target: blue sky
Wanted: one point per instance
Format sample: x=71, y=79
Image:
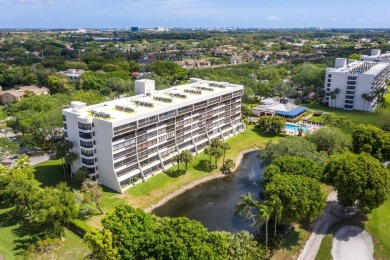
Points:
x=194, y=13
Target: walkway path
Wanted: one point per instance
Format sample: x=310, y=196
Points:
x=333, y=213
x=351, y=243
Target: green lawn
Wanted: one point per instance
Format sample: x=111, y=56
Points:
x=14, y=240
x=378, y=225
x=357, y=117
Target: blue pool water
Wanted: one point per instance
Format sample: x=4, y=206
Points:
x=293, y=127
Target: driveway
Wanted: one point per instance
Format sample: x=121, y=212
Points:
x=333, y=213
x=352, y=243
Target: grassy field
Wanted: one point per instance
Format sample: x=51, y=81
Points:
x=15, y=239
x=357, y=117
x=377, y=223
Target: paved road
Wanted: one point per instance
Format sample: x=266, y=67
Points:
x=33, y=160
x=352, y=243
x=333, y=213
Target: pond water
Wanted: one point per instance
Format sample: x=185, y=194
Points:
x=213, y=203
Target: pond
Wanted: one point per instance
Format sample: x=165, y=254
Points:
x=213, y=203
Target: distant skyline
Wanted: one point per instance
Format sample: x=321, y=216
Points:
x=194, y=13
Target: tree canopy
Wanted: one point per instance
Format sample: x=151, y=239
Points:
x=301, y=197
x=358, y=178
x=292, y=165
x=291, y=145
x=133, y=234
x=372, y=140
x=329, y=140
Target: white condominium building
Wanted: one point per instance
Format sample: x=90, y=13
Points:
x=358, y=85
x=123, y=140
x=376, y=56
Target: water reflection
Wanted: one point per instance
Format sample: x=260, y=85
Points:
x=213, y=203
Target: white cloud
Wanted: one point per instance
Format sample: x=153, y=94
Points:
x=274, y=18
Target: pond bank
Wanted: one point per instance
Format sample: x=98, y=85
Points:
x=193, y=184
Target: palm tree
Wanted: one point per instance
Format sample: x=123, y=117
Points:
x=70, y=158
x=334, y=94
x=364, y=97
x=228, y=166
x=216, y=151
x=245, y=207
x=62, y=150
x=186, y=157
x=265, y=214
x=209, y=152
x=178, y=160
x=224, y=146
x=277, y=207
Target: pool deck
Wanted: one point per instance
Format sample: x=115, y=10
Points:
x=312, y=128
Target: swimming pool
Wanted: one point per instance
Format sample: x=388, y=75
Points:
x=294, y=127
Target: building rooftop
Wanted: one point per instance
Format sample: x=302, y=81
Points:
x=124, y=108
x=363, y=67
x=21, y=91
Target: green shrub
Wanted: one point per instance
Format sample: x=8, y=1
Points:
x=79, y=227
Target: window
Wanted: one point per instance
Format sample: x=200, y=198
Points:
x=328, y=85
x=63, y=117
x=349, y=96
x=85, y=126
x=329, y=75
x=86, y=152
x=123, y=144
x=90, y=170
x=85, y=135
x=351, y=77
x=86, y=144
x=65, y=126
x=351, y=83
x=348, y=106
x=329, y=80
x=88, y=161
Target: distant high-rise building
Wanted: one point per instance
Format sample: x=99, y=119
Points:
x=134, y=29
x=161, y=29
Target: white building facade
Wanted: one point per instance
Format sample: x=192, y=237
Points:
x=125, y=140
x=355, y=85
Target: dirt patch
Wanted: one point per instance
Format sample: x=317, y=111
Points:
x=352, y=242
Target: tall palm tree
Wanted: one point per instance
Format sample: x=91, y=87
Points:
x=209, y=152
x=62, y=150
x=364, y=97
x=70, y=158
x=336, y=91
x=245, y=207
x=265, y=214
x=177, y=158
x=277, y=207
x=224, y=146
x=186, y=157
